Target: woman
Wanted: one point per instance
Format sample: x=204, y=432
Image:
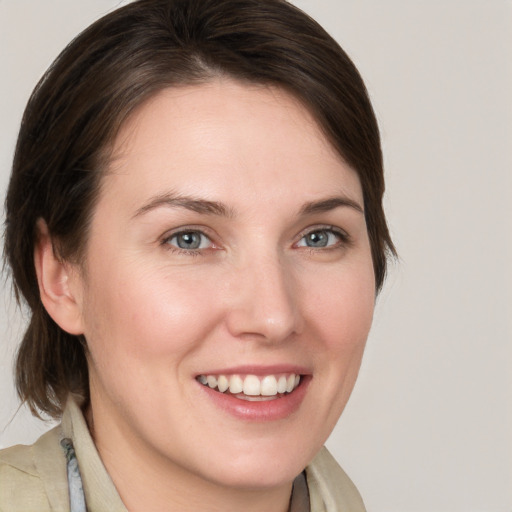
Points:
x=195, y=220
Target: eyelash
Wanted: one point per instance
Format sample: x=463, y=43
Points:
x=188, y=252
x=344, y=240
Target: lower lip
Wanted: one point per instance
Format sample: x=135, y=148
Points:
x=266, y=410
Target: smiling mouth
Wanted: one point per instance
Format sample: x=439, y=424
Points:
x=252, y=387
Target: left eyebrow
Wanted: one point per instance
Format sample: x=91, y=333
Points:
x=329, y=204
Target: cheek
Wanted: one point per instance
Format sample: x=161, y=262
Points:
x=343, y=308
x=139, y=315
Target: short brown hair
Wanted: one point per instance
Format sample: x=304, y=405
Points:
x=118, y=62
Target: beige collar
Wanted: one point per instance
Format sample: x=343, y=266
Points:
x=100, y=492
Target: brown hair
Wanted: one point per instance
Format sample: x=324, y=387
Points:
x=122, y=59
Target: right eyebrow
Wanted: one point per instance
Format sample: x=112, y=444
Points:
x=194, y=204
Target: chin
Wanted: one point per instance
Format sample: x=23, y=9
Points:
x=251, y=474
x=260, y=465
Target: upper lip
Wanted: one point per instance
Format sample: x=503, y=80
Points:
x=259, y=370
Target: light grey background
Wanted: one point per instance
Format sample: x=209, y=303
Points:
x=429, y=426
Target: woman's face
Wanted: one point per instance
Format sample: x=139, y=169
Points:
x=228, y=248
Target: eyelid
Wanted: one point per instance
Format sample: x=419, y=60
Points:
x=345, y=238
x=202, y=230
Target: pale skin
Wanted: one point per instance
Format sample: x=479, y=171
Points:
x=282, y=275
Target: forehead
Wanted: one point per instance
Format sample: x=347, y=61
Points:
x=214, y=137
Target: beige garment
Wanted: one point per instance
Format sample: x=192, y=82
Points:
x=33, y=478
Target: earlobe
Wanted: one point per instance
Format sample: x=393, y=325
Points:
x=57, y=287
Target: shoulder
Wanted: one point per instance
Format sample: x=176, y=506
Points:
x=330, y=488
x=33, y=478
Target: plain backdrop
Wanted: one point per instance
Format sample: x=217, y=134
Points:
x=429, y=426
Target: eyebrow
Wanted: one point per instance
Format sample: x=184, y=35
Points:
x=170, y=200
x=207, y=207
x=329, y=204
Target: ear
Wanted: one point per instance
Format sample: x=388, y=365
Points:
x=58, y=282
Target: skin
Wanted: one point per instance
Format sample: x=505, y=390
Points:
x=155, y=316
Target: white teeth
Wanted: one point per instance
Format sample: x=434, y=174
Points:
x=222, y=383
x=236, y=384
x=252, y=385
x=290, y=383
x=281, y=384
x=258, y=398
x=269, y=386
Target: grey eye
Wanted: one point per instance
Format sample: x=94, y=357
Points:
x=319, y=239
x=190, y=240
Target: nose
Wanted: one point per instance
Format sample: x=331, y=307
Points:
x=264, y=301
